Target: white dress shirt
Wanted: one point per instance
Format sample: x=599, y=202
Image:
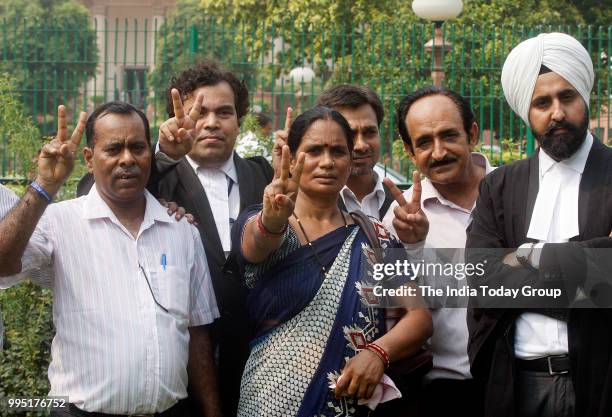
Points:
x=447, y=224
x=555, y=220
x=225, y=208
x=115, y=350
x=370, y=204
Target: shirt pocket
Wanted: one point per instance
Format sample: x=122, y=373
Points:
x=173, y=283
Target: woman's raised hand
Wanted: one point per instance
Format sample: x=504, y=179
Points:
x=280, y=195
x=281, y=138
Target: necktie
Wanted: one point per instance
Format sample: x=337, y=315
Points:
x=230, y=186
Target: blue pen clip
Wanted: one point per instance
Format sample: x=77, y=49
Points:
x=164, y=261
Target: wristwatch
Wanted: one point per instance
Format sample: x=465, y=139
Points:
x=523, y=253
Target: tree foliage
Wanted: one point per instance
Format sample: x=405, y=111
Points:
x=309, y=15
x=595, y=12
x=26, y=309
x=523, y=12
x=23, y=136
x=380, y=43
x=49, y=46
x=327, y=14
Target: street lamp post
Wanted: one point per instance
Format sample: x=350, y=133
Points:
x=437, y=11
x=303, y=75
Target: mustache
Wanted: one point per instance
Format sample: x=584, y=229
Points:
x=564, y=124
x=447, y=160
x=204, y=135
x=130, y=171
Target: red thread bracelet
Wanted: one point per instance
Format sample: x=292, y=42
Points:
x=264, y=231
x=380, y=352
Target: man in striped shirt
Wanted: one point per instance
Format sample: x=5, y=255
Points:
x=132, y=290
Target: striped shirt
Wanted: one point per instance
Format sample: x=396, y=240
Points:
x=7, y=200
x=116, y=350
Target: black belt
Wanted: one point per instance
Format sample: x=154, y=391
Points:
x=177, y=410
x=553, y=365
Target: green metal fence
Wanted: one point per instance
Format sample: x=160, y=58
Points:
x=135, y=59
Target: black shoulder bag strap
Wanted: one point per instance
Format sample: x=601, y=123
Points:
x=387, y=203
x=367, y=226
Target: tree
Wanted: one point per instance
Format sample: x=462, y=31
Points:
x=310, y=15
x=188, y=36
x=23, y=136
x=595, y=12
x=381, y=44
x=49, y=46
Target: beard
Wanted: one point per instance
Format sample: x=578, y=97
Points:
x=358, y=170
x=361, y=170
x=563, y=146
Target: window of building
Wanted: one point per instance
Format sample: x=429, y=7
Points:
x=134, y=87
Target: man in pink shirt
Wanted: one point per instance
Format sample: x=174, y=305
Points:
x=439, y=133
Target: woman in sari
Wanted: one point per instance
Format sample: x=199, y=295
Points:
x=302, y=261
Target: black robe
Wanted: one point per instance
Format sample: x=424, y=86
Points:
x=501, y=220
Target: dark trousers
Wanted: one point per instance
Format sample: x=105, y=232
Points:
x=454, y=397
x=233, y=350
x=411, y=403
x=539, y=394
x=180, y=409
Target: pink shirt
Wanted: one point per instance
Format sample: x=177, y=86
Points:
x=447, y=224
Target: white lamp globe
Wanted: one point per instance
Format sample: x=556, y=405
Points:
x=301, y=74
x=437, y=10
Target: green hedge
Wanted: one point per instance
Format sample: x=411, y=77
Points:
x=26, y=310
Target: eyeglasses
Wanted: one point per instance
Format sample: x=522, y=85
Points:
x=151, y=289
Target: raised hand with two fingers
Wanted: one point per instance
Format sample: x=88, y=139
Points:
x=56, y=159
x=281, y=138
x=176, y=135
x=280, y=195
x=410, y=222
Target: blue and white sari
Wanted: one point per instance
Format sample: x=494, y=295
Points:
x=307, y=323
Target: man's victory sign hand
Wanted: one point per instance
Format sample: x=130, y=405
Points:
x=176, y=135
x=410, y=223
x=56, y=159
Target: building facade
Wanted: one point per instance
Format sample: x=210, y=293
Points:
x=125, y=32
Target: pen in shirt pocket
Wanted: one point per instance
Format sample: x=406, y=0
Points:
x=164, y=261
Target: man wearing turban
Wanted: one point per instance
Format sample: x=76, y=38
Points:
x=545, y=210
